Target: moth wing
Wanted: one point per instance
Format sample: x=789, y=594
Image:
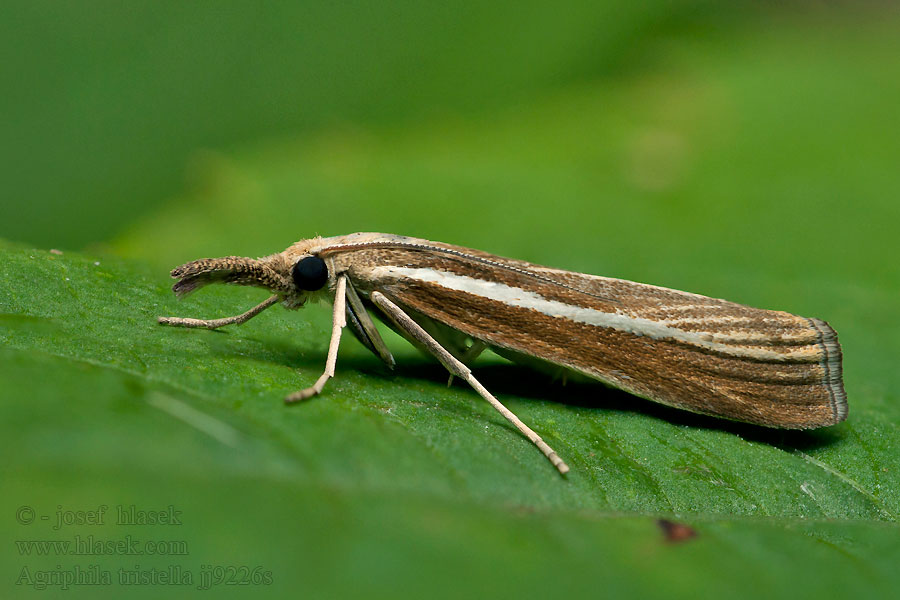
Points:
x=685, y=350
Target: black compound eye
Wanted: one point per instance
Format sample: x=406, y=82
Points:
x=310, y=274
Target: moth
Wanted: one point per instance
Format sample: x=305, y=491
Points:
x=684, y=350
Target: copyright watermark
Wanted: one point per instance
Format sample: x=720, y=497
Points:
x=25, y=515
x=207, y=577
x=103, y=514
x=80, y=531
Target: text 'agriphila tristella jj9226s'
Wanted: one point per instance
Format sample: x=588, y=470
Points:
x=701, y=354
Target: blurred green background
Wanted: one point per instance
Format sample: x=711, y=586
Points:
x=743, y=150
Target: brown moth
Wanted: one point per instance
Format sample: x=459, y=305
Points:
x=684, y=350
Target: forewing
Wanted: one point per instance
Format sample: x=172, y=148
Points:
x=685, y=350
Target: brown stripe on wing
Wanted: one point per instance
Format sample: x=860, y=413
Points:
x=726, y=322
x=797, y=393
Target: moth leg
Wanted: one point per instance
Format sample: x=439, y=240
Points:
x=216, y=323
x=361, y=324
x=469, y=356
x=339, y=320
x=406, y=323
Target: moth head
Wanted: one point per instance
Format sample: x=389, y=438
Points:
x=294, y=278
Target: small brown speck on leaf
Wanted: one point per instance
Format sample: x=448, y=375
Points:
x=55, y=251
x=676, y=532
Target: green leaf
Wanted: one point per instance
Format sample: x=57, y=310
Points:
x=385, y=471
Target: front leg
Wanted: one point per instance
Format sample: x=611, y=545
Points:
x=339, y=320
x=216, y=323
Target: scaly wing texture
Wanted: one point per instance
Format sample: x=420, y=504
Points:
x=684, y=350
